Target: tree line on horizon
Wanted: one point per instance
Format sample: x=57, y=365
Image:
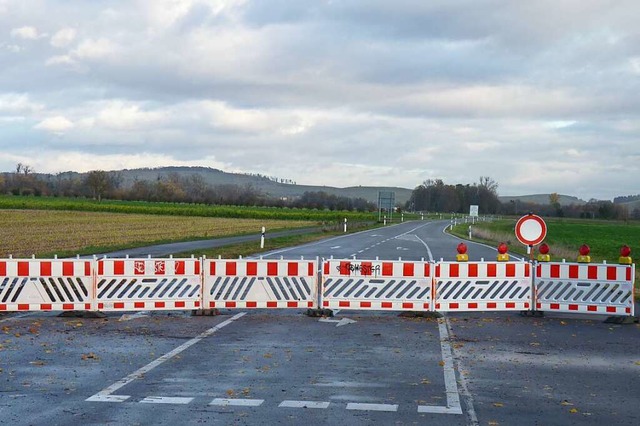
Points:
x=433, y=195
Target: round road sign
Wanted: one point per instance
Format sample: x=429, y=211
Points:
x=531, y=230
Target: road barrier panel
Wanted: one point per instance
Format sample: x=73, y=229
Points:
x=377, y=285
x=46, y=285
x=585, y=288
x=483, y=286
x=148, y=284
x=248, y=283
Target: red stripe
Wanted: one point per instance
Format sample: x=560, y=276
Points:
x=325, y=304
x=573, y=307
x=408, y=270
x=45, y=307
x=538, y=305
x=100, y=267
x=23, y=307
x=628, y=273
x=163, y=304
x=611, y=309
x=344, y=304
x=180, y=267
x=454, y=270
x=592, y=308
x=292, y=269
x=555, y=271
x=3, y=269
x=212, y=269
x=574, y=271
x=230, y=304
x=310, y=304
x=252, y=269
x=539, y=270
x=592, y=272
x=138, y=305
x=3, y=307
x=492, y=270
x=555, y=306
x=45, y=269
x=23, y=269
x=365, y=304
x=473, y=270
x=272, y=304
x=628, y=310
x=252, y=304
x=100, y=306
x=118, y=305
x=197, y=267
x=118, y=267
x=87, y=306
x=292, y=304
x=510, y=305
x=87, y=269
x=492, y=305
x=197, y=304
x=181, y=304
x=231, y=268
x=511, y=270
x=326, y=268
x=310, y=270
x=68, y=269
x=212, y=304
x=387, y=269
x=366, y=268
x=427, y=269
x=526, y=305
x=473, y=306
x=454, y=305
x=272, y=269
x=407, y=305
x=438, y=271
x=425, y=306
x=345, y=268
x=612, y=273
x=387, y=305
x=527, y=270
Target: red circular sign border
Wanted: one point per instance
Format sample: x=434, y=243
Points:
x=538, y=219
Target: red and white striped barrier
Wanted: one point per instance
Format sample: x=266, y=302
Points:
x=483, y=286
x=148, y=284
x=377, y=285
x=585, y=288
x=246, y=283
x=45, y=285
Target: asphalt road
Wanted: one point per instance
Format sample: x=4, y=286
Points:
x=282, y=367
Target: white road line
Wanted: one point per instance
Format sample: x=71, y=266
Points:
x=106, y=392
x=372, y=407
x=108, y=398
x=304, y=404
x=427, y=247
x=166, y=400
x=432, y=409
x=225, y=402
x=450, y=384
x=472, y=418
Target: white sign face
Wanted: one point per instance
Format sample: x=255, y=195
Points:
x=473, y=211
x=531, y=229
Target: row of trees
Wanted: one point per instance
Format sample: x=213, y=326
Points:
x=173, y=187
x=436, y=196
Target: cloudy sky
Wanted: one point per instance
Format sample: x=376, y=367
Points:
x=542, y=96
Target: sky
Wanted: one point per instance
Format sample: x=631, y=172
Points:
x=541, y=96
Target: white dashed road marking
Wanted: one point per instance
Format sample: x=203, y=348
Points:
x=225, y=402
x=372, y=407
x=166, y=400
x=304, y=404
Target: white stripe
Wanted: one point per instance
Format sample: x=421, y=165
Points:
x=303, y=404
x=438, y=410
x=166, y=400
x=445, y=328
x=108, y=398
x=372, y=407
x=153, y=364
x=224, y=402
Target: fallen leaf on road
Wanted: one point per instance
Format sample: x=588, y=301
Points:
x=425, y=382
x=90, y=355
x=441, y=363
x=498, y=404
x=573, y=411
x=231, y=392
x=637, y=362
x=566, y=403
x=493, y=423
x=38, y=363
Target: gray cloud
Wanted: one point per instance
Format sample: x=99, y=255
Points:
x=539, y=95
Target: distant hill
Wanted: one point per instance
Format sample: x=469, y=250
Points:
x=265, y=185
x=542, y=199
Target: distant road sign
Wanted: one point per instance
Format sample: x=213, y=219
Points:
x=473, y=211
x=531, y=230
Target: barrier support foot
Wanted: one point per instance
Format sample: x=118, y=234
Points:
x=621, y=320
x=315, y=313
x=205, y=312
x=82, y=314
